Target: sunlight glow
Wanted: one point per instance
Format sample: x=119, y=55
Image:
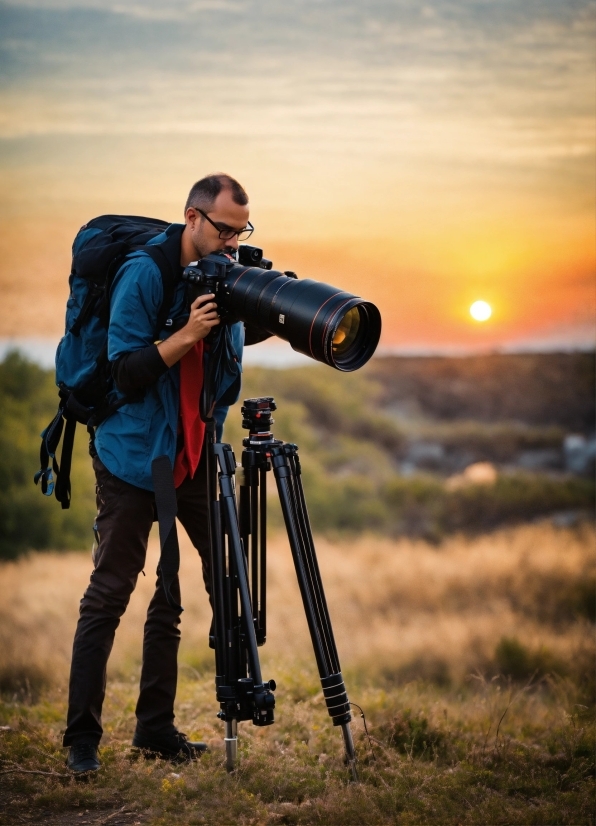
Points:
x=480, y=311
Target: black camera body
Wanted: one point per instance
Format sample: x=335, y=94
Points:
x=325, y=323
x=208, y=275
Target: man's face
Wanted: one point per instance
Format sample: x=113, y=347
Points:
x=226, y=214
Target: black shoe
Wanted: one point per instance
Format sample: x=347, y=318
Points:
x=82, y=758
x=174, y=746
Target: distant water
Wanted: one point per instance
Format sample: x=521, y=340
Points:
x=274, y=354
x=41, y=351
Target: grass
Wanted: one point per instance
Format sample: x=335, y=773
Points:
x=446, y=762
x=473, y=661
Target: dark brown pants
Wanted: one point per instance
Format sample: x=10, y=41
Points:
x=125, y=516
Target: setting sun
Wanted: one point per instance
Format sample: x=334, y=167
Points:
x=480, y=311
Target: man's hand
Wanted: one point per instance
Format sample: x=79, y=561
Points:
x=203, y=317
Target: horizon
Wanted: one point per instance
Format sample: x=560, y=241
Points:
x=279, y=355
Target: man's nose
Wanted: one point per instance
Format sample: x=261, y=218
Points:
x=233, y=242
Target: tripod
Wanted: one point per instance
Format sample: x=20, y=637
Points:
x=239, y=577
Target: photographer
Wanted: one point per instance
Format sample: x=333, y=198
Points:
x=164, y=379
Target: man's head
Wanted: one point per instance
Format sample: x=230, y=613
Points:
x=216, y=205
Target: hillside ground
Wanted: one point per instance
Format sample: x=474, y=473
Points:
x=473, y=661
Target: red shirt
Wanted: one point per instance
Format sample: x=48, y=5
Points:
x=190, y=423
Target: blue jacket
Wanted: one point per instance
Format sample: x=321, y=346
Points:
x=128, y=441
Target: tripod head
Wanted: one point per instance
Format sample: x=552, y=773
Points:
x=257, y=419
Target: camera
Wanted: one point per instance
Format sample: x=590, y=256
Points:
x=321, y=321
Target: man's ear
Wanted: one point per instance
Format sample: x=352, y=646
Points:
x=191, y=216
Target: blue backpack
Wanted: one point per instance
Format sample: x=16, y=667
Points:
x=83, y=372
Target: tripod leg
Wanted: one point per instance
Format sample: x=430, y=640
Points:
x=253, y=532
x=223, y=595
x=231, y=741
x=350, y=750
x=240, y=566
x=289, y=485
x=262, y=607
x=258, y=694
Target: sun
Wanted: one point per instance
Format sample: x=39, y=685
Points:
x=480, y=311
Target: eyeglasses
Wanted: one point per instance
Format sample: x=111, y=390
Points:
x=227, y=233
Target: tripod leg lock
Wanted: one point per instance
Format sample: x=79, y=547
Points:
x=247, y=701
x=264, y=703
x=336, y=699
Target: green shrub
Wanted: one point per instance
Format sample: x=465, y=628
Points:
x=498, y=442
x=515, y=660
x=425, y=669
x=412, y=734
x=28, y=520
x=422, y=506
x=513, y=497
x=334, y=404
x=582, y=599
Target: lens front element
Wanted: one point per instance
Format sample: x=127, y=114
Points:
x=346, y=333
x=355, y=329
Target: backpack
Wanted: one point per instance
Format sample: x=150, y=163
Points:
x=83, y=372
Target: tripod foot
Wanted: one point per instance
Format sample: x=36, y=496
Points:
x=350, y=751
x=231, y=741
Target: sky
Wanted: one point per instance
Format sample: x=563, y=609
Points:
x=421, y=155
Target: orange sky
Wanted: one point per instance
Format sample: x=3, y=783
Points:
x=422, y=157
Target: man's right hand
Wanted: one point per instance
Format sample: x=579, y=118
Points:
x=203, y=317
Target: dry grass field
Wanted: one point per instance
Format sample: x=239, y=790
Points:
x=473, y=661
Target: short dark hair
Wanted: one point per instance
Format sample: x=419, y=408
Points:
x=205, y=191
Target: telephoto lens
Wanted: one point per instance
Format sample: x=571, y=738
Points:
x=326, y=323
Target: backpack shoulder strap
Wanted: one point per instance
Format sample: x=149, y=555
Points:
x=167, y=257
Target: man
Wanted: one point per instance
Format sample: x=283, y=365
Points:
x=166, y=375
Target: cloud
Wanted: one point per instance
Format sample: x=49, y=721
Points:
x=525, y=67
x=147, y=9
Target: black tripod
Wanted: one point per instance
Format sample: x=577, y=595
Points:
x=239, y=583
